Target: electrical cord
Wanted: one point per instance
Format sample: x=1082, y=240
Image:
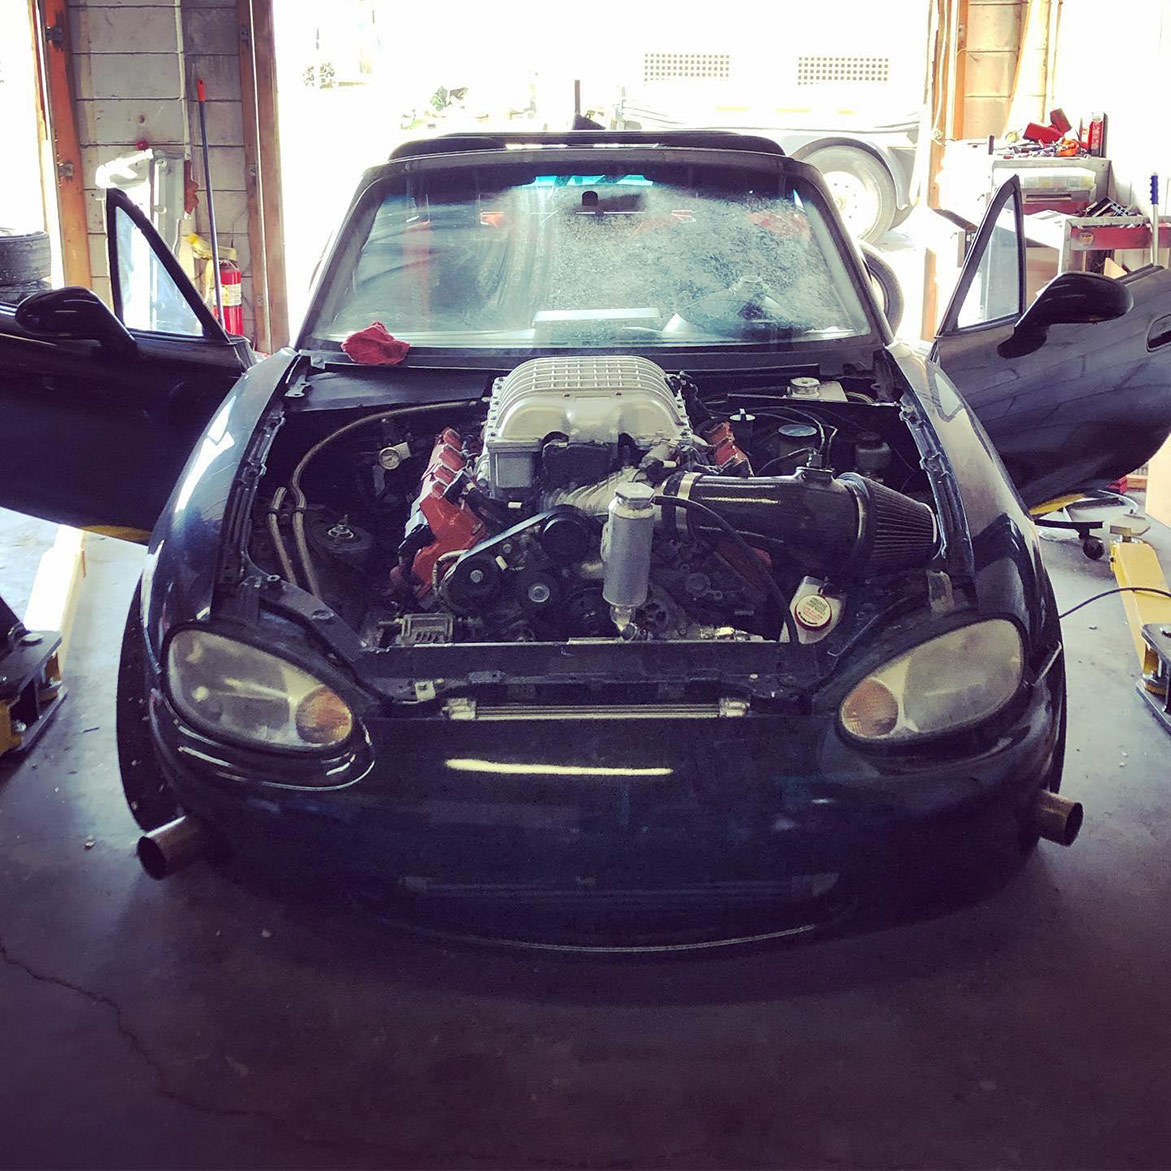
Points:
x=774, y=590
x=781, y=460
x=1116, y=590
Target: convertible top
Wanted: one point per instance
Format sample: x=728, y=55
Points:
x=703, y=139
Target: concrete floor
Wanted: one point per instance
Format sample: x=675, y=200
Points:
x=196, y=1023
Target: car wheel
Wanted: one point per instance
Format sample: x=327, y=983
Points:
x=861, y=187
x=25, y=258
x=886, y=284
x=152, y=801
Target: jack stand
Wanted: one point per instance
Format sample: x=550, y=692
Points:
x=30, y=681
x=1136, y=564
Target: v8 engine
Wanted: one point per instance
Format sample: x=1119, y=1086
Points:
x=601, y=497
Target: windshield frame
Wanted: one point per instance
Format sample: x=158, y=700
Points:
x=513, y=166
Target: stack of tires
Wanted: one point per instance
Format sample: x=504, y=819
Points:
x=25, y=262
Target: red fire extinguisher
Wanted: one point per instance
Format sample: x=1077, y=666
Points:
x=230, y=278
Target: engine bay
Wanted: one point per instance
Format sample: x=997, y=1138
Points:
x=599, y=498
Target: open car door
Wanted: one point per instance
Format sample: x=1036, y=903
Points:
x=101, y=409
x=1074, y=390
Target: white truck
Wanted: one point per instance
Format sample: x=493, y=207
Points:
x=839, y=84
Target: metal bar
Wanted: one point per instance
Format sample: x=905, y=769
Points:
x=264, y=65
x=469, y=709
x=257, y=274
x=201, y=98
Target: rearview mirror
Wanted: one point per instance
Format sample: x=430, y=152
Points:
x=74, y=314
x=1070, y=298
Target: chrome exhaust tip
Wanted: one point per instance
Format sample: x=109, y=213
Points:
x=1057, y=819
x=171, y=847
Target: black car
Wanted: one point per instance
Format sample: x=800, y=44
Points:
x=656, y=597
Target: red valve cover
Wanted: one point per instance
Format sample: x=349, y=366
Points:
x=728, y=455
x=454, y=526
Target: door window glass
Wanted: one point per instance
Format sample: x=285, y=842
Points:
x=995, y=291
x=151, y=300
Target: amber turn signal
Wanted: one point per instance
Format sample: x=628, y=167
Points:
x=871, y=711
x=323, y=717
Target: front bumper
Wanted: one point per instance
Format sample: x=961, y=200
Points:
x=625, y=833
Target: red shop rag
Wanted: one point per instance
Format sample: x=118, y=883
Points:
x=375, y=346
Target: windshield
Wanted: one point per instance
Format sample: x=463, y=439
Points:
x=592, y=261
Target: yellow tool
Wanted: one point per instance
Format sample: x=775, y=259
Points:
x=32, y=651
x=1148, y=611
x=30, y=680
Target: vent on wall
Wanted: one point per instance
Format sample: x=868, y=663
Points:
x=671, y=66
x=820, y=70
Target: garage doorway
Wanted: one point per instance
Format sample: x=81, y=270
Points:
x=356, y=80
x=23, y=207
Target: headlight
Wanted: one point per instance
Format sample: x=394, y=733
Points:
x=952, y=682
x=233, y=689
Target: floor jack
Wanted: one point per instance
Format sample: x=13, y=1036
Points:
x=30, y=681
x=33, y=651
x=1137, y=570
x=1092, y=546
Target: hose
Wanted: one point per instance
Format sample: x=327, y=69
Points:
x=442, y=560
x=278, y=543
x=300, y=541
x=1116, y=590
x=710, y=514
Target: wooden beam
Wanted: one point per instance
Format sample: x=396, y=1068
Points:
x=252, y=181
x=53, y=37
x=264, y=60
x=959, y=77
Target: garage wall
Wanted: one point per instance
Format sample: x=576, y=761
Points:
x=992, y=42
x=135, y=64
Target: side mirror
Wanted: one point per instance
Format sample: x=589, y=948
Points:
x=1070, y=298
x=74, y=314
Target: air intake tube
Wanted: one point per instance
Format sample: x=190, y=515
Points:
x=844, y=527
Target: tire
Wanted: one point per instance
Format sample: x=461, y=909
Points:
x=902, y=215
x=24, y=259
x=14, y=294
x=887, y=283
x=861, y=187
x=151, y=800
